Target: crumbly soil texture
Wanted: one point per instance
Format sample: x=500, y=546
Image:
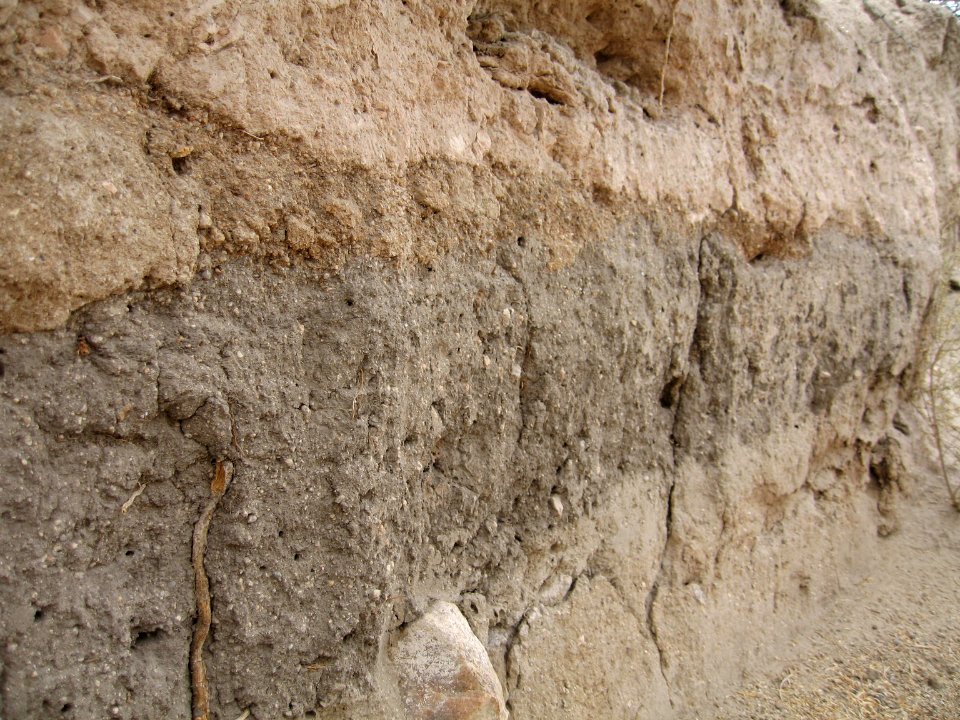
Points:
x=459, y=358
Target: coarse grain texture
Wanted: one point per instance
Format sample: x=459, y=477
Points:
x=510, y=307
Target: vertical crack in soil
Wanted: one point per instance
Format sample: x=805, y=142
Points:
x=677, y=455
x=222, y=476
x=652, y=597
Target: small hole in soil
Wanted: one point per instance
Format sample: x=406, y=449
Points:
x=541, y=95
x=66, y=707
x=273, y=75
x=38, y=615
x=602, y=57
x=521, y=241
x=144, y=637
x=349, y=302
x=670, y=394
x=279, y=533
x=179, y=165
x=130, y=553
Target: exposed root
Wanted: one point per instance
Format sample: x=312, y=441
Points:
x=666, y=52
x=932, y=389
x=136, y=493
x=198, y=673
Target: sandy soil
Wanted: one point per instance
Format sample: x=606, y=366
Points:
x=889, y=647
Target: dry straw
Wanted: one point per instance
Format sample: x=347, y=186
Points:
x=940, y=395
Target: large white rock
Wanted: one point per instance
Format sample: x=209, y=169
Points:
x=443, y=670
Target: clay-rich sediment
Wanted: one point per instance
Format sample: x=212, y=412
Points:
x=404, y=435
x=477, y=318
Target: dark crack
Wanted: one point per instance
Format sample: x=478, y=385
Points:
x=655, y=590
x=676, y=388
x=515, y=636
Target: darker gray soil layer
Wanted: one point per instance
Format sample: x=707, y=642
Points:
x=522, y=441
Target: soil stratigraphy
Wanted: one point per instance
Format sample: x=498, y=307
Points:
x=522, y=335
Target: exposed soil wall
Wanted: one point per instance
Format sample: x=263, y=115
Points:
x=552, y=373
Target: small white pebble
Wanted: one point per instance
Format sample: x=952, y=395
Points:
x=251, y=519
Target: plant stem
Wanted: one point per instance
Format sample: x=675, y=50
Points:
x=936, y=432
x=666, y=53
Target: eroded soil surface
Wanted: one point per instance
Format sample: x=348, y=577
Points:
x=890, y=646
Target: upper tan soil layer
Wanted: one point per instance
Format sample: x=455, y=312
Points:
x=139, y=135
x=559, y=352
